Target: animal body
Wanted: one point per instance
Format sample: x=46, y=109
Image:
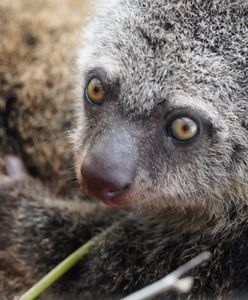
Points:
x=161, y=136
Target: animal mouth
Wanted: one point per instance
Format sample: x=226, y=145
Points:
x=117, y=198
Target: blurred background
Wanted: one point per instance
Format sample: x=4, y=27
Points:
x=38, y=41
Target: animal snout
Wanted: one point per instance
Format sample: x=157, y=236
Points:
x=107, y=178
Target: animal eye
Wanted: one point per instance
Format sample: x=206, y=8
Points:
x=183, y=129
x=95, y=92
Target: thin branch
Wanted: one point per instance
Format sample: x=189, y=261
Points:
x=60, y=270
x=55, y=274
x=171, y=282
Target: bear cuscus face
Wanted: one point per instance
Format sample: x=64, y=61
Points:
x=161, y=108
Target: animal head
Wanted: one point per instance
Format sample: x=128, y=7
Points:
x=162, y=98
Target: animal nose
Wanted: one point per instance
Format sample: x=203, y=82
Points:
x=106, y=180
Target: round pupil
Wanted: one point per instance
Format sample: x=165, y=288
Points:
x=184, y=129
x=95, y=91
x=97, y=88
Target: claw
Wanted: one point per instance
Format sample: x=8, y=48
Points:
x=15, y=167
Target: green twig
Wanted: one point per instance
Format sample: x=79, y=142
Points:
x=60, y=270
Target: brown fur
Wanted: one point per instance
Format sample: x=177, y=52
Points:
x=15, y=276
x=140, y=248
x=38, y=42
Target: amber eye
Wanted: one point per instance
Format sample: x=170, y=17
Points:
x=95, y=92
x=183, y=129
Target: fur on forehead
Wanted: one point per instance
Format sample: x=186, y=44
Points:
x=91, y=54
x=136, y=23
x=120, y=38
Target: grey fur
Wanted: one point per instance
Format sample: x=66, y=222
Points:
x=169, y=54
x=159, y=57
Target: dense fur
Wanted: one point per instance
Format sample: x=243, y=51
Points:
x=38, y=45
x=158, y=58
x=138, y=249
x=177, y=55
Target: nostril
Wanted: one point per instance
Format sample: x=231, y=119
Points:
x=126, y=187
